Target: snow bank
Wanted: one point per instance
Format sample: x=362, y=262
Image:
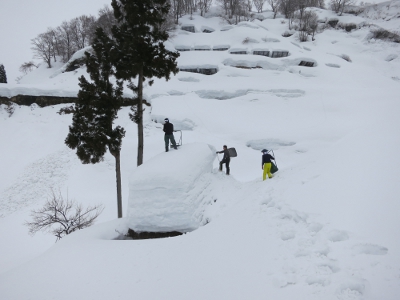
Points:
x=163, y=192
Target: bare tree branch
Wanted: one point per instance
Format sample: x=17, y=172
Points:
x=61, y=216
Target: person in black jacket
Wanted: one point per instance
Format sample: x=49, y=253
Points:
x=266, y=163
x=225, y=160
x=169, y=136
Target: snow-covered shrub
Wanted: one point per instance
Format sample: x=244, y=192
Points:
x=303, y=36
x=75, y=64
x=346, y=26
x=350, y=26
x=249, y=40
x=345, y=57
x=66, y=110
x=10, y=108
x=391, y=57
x=354, y=10
x=27, y=67
x=287, y=34
x=383, y=34
x=333, y=22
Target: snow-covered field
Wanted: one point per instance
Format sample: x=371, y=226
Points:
x=325, y=227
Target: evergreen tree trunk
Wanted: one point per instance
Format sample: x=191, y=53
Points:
x=118, y=176
x=140, y=118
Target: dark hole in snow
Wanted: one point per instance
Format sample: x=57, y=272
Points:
x=220, y=48
x=238, y=52
x=246, y=67
x=202, y=48
x=188, y=28
x=205, y=71
x=264, y=53
x=151, y=235
x=306, y=63
x=279, y=54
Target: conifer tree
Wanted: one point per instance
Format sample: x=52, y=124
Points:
x=92, y=132
x=3, y=76
x=140, y=52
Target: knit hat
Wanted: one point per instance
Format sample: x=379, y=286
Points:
x=264, y=150
x=166, y=120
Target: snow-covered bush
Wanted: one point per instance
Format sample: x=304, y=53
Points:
x=383, y=34
x=75, y=64
x=345, y=57
x=350, y=26
x=66, y=110
x=10, y=108
x=287, y=34
x=333, y=22
x=303, y=36
x=249, y=40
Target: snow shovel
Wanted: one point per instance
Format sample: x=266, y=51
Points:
x=232, y=152
x=179, y=143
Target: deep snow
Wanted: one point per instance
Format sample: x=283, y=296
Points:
x=325, y=227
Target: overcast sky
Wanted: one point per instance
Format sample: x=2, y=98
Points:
x=23, y=20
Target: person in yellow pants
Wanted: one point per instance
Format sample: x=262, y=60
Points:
x=266, y=164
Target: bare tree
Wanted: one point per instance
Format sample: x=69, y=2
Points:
x=235, y=10
x=204, y=6
x=43, y=46
x=312, y=21
x=106, y=20
x=61, y=216
x=65, y=41
x=177, y=9
x=82, y=28
x=259, y=4
x=308, y=21
x=338, y=6
x=288, y=8
x=274, y=6
x=27, y=67
x=249, y=5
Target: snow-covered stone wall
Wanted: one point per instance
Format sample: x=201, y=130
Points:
x=164, y=191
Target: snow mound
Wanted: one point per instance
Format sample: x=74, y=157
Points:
x=164, y=192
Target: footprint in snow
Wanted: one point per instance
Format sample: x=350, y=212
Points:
x=354, y=289
x=314, y=228
x=370, y=249
x=318, y=280
x=288, y=235
x=338, y=236
x=328, y=268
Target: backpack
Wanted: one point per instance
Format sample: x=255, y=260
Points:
x=274, y=168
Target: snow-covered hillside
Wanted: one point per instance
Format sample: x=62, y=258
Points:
x=325, y=227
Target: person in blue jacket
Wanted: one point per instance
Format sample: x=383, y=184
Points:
x=266, y=164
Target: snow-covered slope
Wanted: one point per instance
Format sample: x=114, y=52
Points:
x=325, y=227
x=385, y=14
